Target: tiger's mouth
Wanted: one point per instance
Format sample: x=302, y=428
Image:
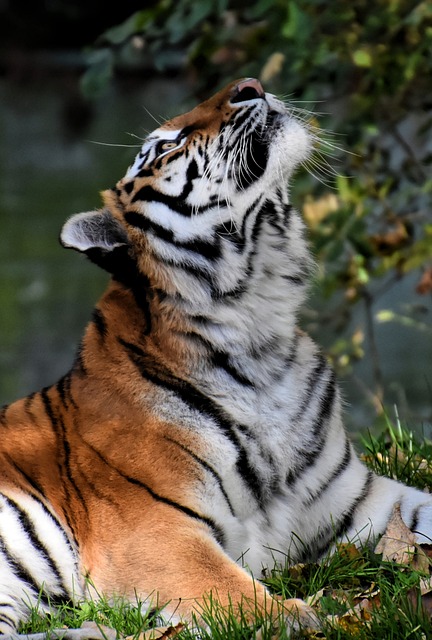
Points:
x=258, y=146
x=271, y=119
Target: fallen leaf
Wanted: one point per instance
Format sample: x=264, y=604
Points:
x=426, y=603
x=370, y=592
x=422, y=595
x=398, y=542
x=159, y=633
x=421, y=561
x=424, y=285
x=427, y=549
x=425, y=585
x=310, y=600
x=364, y=609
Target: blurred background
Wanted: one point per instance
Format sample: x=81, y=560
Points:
x=81, y=83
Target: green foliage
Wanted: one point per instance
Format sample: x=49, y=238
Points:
x=370, y=221
x=397, y=453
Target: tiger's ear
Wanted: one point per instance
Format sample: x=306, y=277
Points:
x=93, y=230
x=101, y=237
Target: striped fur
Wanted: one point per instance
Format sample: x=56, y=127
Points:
x=198, y=437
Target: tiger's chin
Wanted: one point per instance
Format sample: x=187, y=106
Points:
x=290, y=146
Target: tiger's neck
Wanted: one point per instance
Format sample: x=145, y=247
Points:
x=246, y=306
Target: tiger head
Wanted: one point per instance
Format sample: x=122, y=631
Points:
x=196, y=191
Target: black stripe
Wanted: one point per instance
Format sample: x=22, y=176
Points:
x=221, y=359
x=78, y=366
x=144, y=173
x=35, y=486
x=316, y=548
x=242, y=286
x=326, y=407
x=67, y=391
x=176, y=505
x=242, y=117
x=313, y=379
x=254, y=161
x=55, y=425
x=38, y=545
x=218, y=358
x=191, y=173
x=22, y=574
x=59, y=525
x=98, y=488
x=334, y=475
x=28, y=402
x=273, y=217
x=346, y=521
x=307, y=458
x=207, y=467
x=165, y=160
x=210, y=250
x=186, y=131
x=231, y=232
x=232, y=294
x=196, y=400
x=294, y=279
x=63, y=387
x=5, y=618
x=61, y=390
x=202, y=273
x=3, y=412
x=415, y=518
x=148, y=194
x=99, y=323
x=65, y=471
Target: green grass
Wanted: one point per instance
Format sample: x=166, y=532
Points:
x=356, y=594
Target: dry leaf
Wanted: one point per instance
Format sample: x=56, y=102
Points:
x=423, y=595
x=426, y=603
x=425, y=585
x=371, y=593
x=159, y=633
x=315, y=211
x=389, y=242
x=310, y=600
x=364, y=609
x=398, y=542
x=272, y=67
x=427, y=549
x=421, y=561
x=424, y=285
x=259, y=635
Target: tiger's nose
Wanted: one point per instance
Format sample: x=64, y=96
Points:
x=248, y=89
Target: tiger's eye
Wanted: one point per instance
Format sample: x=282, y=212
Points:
x=165, y=146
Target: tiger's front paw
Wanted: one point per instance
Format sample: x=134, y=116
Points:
x=299, y=615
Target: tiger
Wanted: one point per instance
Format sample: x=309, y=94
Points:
x=198, y=438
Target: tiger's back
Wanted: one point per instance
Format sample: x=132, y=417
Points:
x=198, y=426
